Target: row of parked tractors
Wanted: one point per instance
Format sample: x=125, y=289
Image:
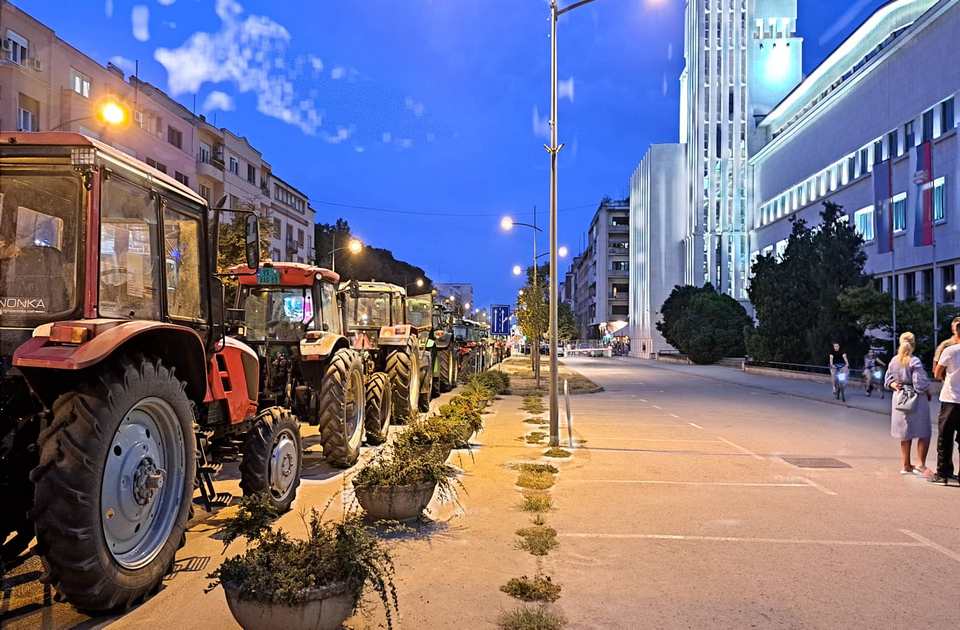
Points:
x=126, y=381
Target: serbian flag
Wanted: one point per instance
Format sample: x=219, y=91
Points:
x=883, y=211
x=923, y=210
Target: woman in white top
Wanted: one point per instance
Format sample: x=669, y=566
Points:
x=906, y=372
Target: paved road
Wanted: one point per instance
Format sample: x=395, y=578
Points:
x=682, y=512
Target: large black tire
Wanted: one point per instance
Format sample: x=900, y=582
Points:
x=446, y=370
x=404, y=370
x=18, y=456
x=379, y=408
x=70, y=482
x=341, y=409
x=273, y=458
x=426, y=389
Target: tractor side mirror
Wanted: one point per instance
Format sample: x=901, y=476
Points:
x=252, y=241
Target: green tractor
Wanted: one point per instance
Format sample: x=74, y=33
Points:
x=434, y=323
x=376, y=315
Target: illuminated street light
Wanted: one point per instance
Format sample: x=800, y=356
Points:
x=506, y=224
x=112, y=113
x=517, y=270
x=563, y=251
x=466, y=306
x=355, y=246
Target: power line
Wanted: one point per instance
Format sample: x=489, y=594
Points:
x=425, y=213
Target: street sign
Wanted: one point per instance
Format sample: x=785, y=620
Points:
x=500, y=319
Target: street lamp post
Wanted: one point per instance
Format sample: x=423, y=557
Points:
x=354, y=246
x=507, y=224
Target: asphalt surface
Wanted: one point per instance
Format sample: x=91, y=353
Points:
x=682, y=511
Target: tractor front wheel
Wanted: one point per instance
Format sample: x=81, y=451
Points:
x=273, y=458
x=404, y=370
x=114, y=484
x=446, y=370
x=341, y=412
x=379, y=408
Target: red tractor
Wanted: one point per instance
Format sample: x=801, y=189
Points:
x=116, y=376
x=290, y=314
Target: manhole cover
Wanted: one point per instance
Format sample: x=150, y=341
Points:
x=816, y=462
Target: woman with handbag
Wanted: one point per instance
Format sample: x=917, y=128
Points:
x=910, y=414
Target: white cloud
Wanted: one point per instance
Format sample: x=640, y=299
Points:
x=218, y=100
x=670, y=51
x=663, y=87
x=343, y=134
x=414, y=106
x=108, y=8
x=843, y=21
x=431, y=136
x=243, y=52
x=359, y=149
x=541, y=126
x=140, y=19
x=387, y=137
x=565, y=89
x=127, y=65
x=404, y=143
x=166, y=3
x=316, y=63
x=169, y=24
x=338, y=73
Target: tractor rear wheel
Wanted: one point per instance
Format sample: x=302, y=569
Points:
x=379, y=408
x=341, y=409
x=446, y=374
x=404, y=370
x=273, y=458
x=114, y=484
x=426, y=389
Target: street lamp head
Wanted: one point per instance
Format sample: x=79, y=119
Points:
x=112, y=113
x=563, y=251
x=355, y=246
x=506, y=224
x=517, y=270
x=420, y=282
x=466, y=306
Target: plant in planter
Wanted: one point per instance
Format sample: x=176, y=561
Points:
x=466, y=412
x=443, y=431
x=316, y=584
x=399, y=482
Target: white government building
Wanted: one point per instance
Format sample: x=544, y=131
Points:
x=887, y=89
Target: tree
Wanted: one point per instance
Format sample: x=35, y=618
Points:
x=795, y=296
x=873, y=312
x=566, y=323
x=533, y=314
x=372, y=263
x=703, y=324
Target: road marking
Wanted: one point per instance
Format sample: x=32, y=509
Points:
x=673, y=415
x=695, y=425
x=663, y=482
x=926, y=542
x=602, y=438
x=814, y=484
x=734, y=539
x=657, y=407
x=743, y=450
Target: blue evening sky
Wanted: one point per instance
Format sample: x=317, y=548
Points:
x=437, y=107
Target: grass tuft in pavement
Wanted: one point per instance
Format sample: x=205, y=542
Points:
x=535, y=437
x=534, y=420
x=526, y=618
x=539, y=588
x=556, y=452
x=538, y=539
x=539, y=468
x=536, y=502
x=532, y=480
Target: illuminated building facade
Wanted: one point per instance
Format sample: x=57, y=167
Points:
x=882, y=105
x=742, y=58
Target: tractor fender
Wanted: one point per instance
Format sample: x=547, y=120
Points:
x=318, y=345
x=235, y=379
x=398, y=335
x=71, y=346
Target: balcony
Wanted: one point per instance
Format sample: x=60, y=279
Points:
x=210, y=169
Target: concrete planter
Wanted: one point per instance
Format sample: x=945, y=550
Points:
x=395, y=503
x=325, y=609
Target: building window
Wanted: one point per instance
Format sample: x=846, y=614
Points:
x=782, y=248
x=175, y=137
x=947, y=115
x=234, y=166
x=204, y=192
x=180, y=177
x=277, y=228
x=927, y=126
x=940, y=200
x=911, y=285
x=909, y=138
x=300, y=237
x=620, y=265
x=17, y=47
x=928, y=285
x=900, y=212
x=949, y=283
x=893, y=144
x=204, y=155
x=79, y=83
x=863, y=222
x=251, y=173
x=878, y=151
x=275, y=254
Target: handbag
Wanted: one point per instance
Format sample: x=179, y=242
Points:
x=905, y=399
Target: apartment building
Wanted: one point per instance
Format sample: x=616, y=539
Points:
x=292, y=220
x=602, y=272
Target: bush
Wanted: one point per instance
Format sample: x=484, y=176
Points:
x=703, y=324
x=278, y=569
x=496, y=380
x=539, y=588
x=404, y=464
x=540, y=618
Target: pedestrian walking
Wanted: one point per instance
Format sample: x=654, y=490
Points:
x=948, y=370
x=910, y=407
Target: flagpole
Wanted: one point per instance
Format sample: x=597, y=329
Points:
x=936, y=315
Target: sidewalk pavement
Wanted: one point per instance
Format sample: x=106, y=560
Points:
x=785, y=386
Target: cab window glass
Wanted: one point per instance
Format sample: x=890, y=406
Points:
x=396, y=308
x=129, y=273
x=181, y=244
x=328, y=306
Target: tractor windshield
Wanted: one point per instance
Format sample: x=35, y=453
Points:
x=39, y=236
x=277, y=314
x=420, y=311
x=370, y=310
